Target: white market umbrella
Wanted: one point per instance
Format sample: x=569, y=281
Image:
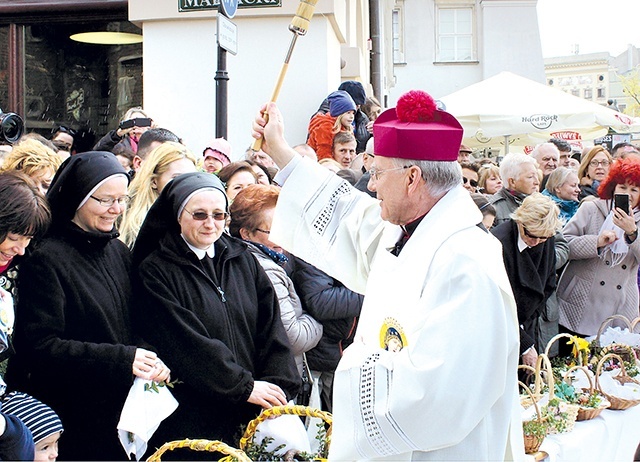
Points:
x=509, y=109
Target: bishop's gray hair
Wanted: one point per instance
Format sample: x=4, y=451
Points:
x=440, y=177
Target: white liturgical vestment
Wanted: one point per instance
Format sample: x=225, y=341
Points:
x=432, y=374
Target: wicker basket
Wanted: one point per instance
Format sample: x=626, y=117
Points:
x=276, y=411
x=542, y=371
x=608, y=321
x=617, y=404
x=532, y=442
x=584, y=412
x=200, y=445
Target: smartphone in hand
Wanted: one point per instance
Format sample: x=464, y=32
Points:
x=138, y=122
x=621, y=201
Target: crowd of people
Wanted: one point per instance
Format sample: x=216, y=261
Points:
x=244, y=281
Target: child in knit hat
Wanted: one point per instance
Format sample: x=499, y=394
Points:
x=323, y=127
x=40, y=419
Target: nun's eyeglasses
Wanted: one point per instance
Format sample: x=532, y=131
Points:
x=109, y=201
x=202, y=216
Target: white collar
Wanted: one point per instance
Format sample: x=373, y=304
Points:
x=200, y=253
x=521, y=244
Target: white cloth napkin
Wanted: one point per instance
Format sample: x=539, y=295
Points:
x=141, y=416
x=287, y=430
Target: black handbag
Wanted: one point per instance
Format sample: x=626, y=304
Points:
x=307, y=384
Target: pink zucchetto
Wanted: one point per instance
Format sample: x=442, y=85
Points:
x=415, y=129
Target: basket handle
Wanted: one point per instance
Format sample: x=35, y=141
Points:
x=586, y=372
x=537, y=383
x=623, y=370
x=634, y=323
x=607, y=321
x=282, y=410
x=200, y=445
x=544, y=359
x=537, y=408
x=559, y=336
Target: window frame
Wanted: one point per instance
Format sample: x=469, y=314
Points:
x=473, y=58
x=397, y=33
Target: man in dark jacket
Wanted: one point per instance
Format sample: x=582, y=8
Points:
x=338, y=309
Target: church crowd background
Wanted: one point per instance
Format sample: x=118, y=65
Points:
x=101, y=260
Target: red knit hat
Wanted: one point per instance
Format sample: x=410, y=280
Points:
x=415, y=129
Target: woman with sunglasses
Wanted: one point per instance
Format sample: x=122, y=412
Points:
x=75, y=346
x=529, y=257
x=600, y=278
x=593, y=169
x=210, y=309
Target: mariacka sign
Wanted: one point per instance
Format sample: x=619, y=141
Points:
x=197, y=5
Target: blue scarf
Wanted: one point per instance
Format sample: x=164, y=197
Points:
x=277, y=257
x=567, y=208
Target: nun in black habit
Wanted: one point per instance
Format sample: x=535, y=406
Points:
x=75, y=348
x=208, y=307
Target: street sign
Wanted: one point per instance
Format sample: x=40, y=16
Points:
x=200, y=5
x=227, y=34
x=229, y=8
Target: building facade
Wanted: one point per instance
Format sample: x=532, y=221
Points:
x=52, y=80
x=595, y=76
x=445, y=45
x=391, y=46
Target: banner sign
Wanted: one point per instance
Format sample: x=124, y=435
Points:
x=198, y=5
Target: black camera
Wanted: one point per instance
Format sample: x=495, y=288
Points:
x=11, y=126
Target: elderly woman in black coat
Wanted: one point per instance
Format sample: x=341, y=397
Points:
x=209, y=308
x=529, y=258
x=75, y=347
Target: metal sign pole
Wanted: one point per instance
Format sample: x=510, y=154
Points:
x=221, y=78
x=226, y=9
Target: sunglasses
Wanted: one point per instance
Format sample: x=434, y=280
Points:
x=466, y=180
x=202, y=216
x=528, y=234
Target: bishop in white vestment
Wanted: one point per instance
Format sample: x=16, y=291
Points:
x=432, y=373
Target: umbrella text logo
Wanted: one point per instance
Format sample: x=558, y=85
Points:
x=541, y=121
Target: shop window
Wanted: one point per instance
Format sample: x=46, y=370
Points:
x=80, y=85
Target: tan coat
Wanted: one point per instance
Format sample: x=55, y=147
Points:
x=590, y=289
